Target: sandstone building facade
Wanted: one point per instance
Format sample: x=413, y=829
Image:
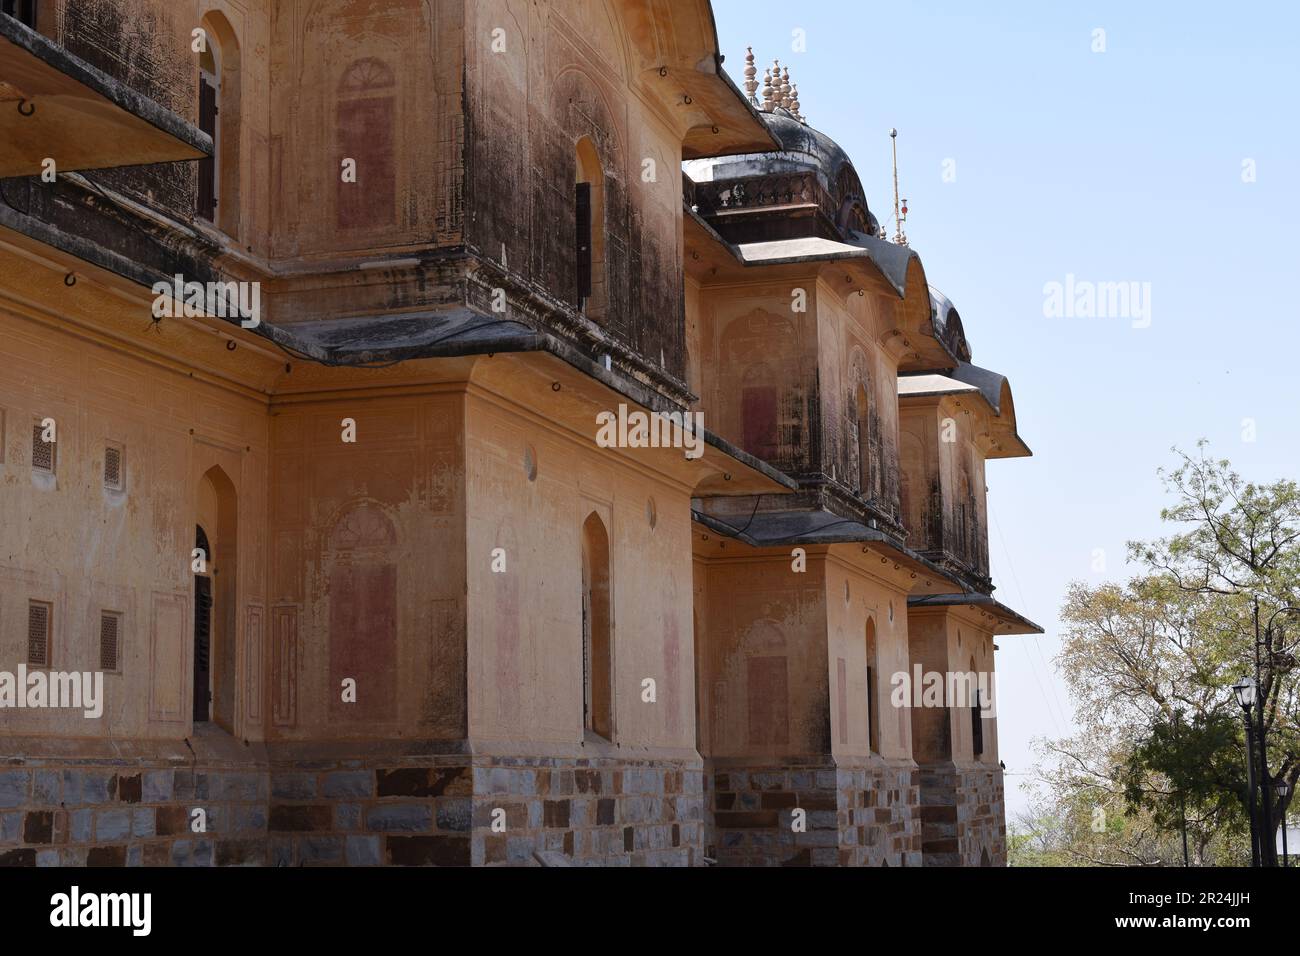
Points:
x=336, y=532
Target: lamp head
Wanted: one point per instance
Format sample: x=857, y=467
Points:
x=1245, y=691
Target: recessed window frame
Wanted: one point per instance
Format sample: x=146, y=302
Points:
x=117, y=618
x=38, y=429
x=34, y=607
x=111, y=449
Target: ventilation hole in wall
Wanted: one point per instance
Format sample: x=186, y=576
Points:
x=530, y=462
x=651, y=512
x=38, y=634
x=113, y=468
x=42, y=450
x=846, y=592
x=110, y=624
x=891, y=612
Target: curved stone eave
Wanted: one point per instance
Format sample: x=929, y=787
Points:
x=675, y=59
x=996, y=391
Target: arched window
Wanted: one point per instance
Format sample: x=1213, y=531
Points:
x=589, y=229
x=215, y=601
x=597, y=651
x=209, y=106
x=219, y=82
x=366, y=119
x=965, y=514
x=864, y=442
x=873, y=704
x=202, y=696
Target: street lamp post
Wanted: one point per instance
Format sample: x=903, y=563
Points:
x=1267, y=845
x=1265, y=801
x=1282, y=790
x=1245, y=691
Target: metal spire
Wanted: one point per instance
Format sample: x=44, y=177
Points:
x=900, y=212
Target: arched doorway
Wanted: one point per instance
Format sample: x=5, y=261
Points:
x=202, y=696
x=215, y=601
x=873, y=716
x=597, y=644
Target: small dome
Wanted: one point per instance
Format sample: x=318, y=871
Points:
x=803, y=148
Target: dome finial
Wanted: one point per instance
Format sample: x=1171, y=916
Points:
x=751, y=74
x=785, y=88
x=900, y=212
x=794, y=103
x=767, y=90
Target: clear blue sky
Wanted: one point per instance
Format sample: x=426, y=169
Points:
x=1117, y=166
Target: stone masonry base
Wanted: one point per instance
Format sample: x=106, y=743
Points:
x=426, y=810
x=855, y=813
x=963, y=816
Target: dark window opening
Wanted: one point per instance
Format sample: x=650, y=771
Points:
x=110, y=627
x=977, y=727
x=597, y=650
x=872, y=723
x=202, y=635
x=207, y=200
x=873, y=717
x=24, y=11
x=42, y=450
x=582, y=226
x=113, y=468
x=40, y=616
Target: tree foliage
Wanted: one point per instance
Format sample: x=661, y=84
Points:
x=1150, y=665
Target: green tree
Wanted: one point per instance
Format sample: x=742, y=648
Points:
x=1150, y=666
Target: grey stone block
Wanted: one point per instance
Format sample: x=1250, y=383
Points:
x=45, y=788
x=248, y=818
x=80, y=826
x=112, y=825
x=523, y=782
x=11, y=827
x=519, y=849
x=455, y=814
x=363, y=851
x=282, y=852
x=293, y=786
x=347, y=816
x=142, y=822
x=13, y=788
x=401, y=816
x=348, y=783
x=234, y=786
x=47, y=858
x=94, y=785
x=320, y=849
x=158, y=786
